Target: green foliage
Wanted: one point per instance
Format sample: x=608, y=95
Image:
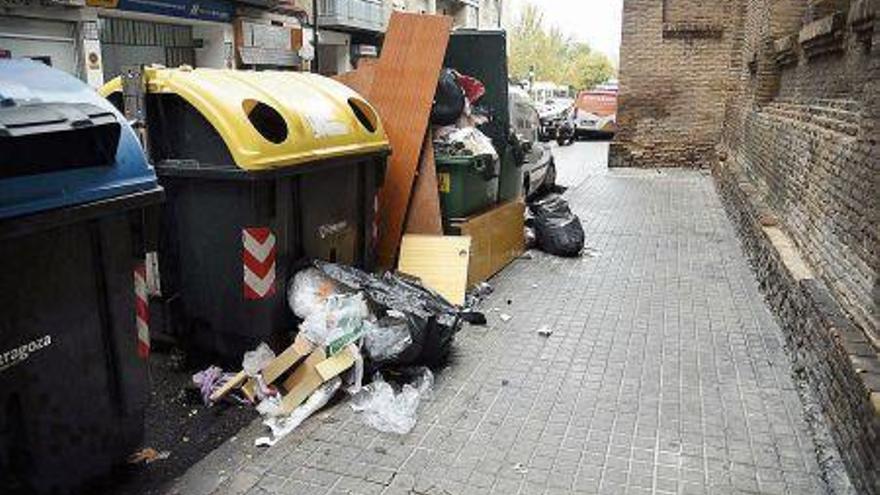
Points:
x=553, y=55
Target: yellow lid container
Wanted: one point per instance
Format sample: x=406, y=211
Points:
x=273, y=119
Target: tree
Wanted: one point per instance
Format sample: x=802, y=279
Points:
x=552, y=55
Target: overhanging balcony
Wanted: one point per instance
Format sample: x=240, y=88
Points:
x=352, y=15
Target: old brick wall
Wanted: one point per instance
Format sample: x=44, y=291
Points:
x=674, y=75
x=801, y=133
x=802, y=127
x=782, y=98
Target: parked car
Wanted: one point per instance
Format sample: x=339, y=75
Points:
x=553, y=114
x=539, y=168
x=595, y=112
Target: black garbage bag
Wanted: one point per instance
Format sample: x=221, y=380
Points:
x=448, y=100
x=558, y=231
x=396, y=300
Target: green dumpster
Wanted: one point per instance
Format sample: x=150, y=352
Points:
x=468, y=184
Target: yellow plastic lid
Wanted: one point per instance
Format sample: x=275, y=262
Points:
x=274, y=119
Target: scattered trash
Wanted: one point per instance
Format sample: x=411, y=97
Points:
x=148, y=455
x=389, y=338
x=389, y=412
x=281, y=426
x=528, y=255
x=545, y=331
x=254, y=361
x=210, y=380
x=463, y=141
x=592, y=253
x=483, y=289
x=505, y=317
x=432, y=321
x=449, y=100
x=309, y=291
x=559, y=231
x=520, y=469
x=352, y=320
x=504, y=382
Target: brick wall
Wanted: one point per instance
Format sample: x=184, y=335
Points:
x=674, y=75
x=782, y=98
x=800, y=128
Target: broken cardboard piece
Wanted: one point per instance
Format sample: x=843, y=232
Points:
x=334, y=366
x=236, y=382
x=287, y=359
x=308, y=377
x=271, y=372
x=441, y=263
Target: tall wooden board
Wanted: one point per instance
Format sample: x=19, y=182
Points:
x=402, y=91
x=424, y=215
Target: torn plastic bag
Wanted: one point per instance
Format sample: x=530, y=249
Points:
x=558, y=231
x=281, y=426
x=383, y=409
x=473, y=88
x=338, y=322
x=432, y=321
x=449, y=99
x=387, y=339
x=309, y=292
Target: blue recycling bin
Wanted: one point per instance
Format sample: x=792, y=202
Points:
x=74, y=188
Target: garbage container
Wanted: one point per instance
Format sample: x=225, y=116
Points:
x=74, y=184
x=262, y=170
x=483, y=54
x=468, y=184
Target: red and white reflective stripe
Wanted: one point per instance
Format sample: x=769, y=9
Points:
x=259, y=262
x=142, y=310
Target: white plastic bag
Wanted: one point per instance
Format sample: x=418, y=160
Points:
x=383, y=409
x=341, y=315
x=257, y=359
x=388, y=339
x=309, y=291
x=282, y=426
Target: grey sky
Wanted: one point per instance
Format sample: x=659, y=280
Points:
x=595, y=21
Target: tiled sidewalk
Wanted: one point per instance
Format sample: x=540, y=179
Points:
x=665, y=373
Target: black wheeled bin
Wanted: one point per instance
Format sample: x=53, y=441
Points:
x=262, y=170
x=74, y=184
x=483, y=55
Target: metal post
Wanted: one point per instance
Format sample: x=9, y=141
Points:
x=134, y=100
x=315, y=36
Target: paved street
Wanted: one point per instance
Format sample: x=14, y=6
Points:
x=665, y=373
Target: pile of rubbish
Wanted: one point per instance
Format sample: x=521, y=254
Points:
x=353, y=324
x=456, y=117
x=553, y=228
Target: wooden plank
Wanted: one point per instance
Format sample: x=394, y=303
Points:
x=496, y=239
x=236, y=382
x=360, y=80
x=424, y=216
x=402, y=92
x=440, y=262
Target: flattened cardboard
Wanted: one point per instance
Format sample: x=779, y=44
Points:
x=332, y=367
